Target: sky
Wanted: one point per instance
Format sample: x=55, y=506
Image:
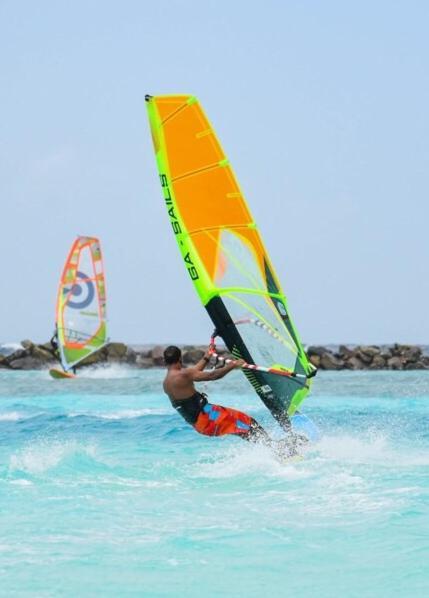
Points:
x=322, y=108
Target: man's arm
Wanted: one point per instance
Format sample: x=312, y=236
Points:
x=200, y=376
x=203, y=361
x=54, y=343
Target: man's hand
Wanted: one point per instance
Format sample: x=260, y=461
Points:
x=200, y=376
x=238, y=363
x=204, y=361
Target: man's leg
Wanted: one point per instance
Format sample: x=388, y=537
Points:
x=217, y=420
x=256, y=433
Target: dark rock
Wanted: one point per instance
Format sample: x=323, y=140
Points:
x=192, y=356
x=372, y=357
x=395, y=363
x=412, y=354
x=19, y=354
x=40, y=353
x=394, y=349
x=386, y=352
x=364, y=357
x=415, y=365
x=116, y=351
x=402, y=350
x=328, y=361
x=48, y=347
x=344, y=352
x=315, y=360
x=94, y=358
x=143, y=362
x=370, y=350
x=157, y=355
x=27, y=344
x=130, y=356
x=25, y=363
x=188, y=348
x=354, y=363
x=378, y=363
x=408, y=353
x=316, y=350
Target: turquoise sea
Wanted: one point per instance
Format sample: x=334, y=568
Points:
x=105, y=491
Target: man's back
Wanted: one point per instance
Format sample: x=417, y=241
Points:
x=178, y=384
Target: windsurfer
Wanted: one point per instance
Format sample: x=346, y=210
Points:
x=193, y=406
x=55, y=349
x=54, y=343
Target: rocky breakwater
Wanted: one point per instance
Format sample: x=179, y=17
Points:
x=32, y=356
x=369, y=357
x=29, y=356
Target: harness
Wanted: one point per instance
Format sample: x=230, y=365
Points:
x=190, y=408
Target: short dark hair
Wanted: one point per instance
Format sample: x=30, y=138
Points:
x=172, y=355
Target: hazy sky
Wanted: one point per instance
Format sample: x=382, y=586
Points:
x=322, y=108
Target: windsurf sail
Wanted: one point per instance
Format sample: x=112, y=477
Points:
x=224, y=253
x=81, y=323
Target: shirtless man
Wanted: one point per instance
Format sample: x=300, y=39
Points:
x=208, y=419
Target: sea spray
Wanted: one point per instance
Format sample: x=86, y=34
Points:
x=102, y=484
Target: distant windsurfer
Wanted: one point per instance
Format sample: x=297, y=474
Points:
x=193, y=406
x=54, y=343
x=55, y=349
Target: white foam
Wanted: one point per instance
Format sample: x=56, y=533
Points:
x=374, y=448
x=121, y=414
x=249, y=459
x=159, y=484
x=13, y=416
x=354, y=449
x=106, y=372
x=39, y=457
x=132, y=413
x=21, y=482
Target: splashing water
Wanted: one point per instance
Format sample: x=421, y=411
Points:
x=104, y=490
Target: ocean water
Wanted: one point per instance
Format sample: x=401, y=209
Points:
x=105, y=491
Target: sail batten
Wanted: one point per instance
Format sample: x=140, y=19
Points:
x=223, y=251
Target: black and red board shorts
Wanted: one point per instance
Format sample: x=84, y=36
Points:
x=213, y=420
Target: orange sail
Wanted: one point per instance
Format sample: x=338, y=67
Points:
x=224, y=254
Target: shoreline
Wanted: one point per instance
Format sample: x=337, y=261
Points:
x=33, y=356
